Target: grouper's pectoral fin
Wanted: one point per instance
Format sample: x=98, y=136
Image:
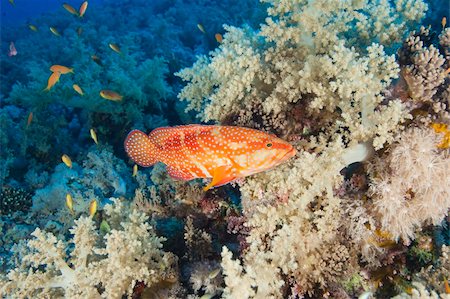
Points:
x=222, y=175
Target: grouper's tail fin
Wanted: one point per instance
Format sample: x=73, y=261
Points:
x=140, y=149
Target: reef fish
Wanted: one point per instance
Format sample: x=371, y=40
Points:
x=93, y=208
x=61, y=69
x=66, y=159
x=201, y=28
x=110, y=95
x=83, y=8
x=70, y=9
x=219, y=38
x=54, y=31
x=115, y=48
x=32, y=27
x=78, y=89
x=93, y=135
x=223, y=153
x=52, y=80
x=12, y=50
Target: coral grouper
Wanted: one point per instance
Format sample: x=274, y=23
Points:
x=223, y=153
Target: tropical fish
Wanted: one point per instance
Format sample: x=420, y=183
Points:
x=30, y=118
x=201, y=28
x=110, y=95
x=442, y=128
x=83, y=8
x=115, y=48
x=69, y=202
x=61, y=69
x=79, y=31
x=443, y=22
x=218, y=37
x=12, y=2
x=93, y=208
x=446, y=286
x=135, y=170
x=214, y=273
x=78, y=89
x=104, y=227
x=54, y=31
x=52, y=80
x=70, y=9
x=223, y=153
x=32, y=27
x=93, y=135
x=97, y=60
x=66, y=159
x=12, y=50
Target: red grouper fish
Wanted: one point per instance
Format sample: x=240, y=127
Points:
x=223, y=153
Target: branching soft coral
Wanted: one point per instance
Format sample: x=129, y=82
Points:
x=300, y=60
x=308, y=63
x=94, y=268
x=411, y=184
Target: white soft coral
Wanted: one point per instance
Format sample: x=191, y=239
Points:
x=411, y=186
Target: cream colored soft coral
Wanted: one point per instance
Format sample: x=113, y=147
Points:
x=131, y=252
x=411, y=185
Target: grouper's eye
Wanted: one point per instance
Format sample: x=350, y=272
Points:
x=269, y=144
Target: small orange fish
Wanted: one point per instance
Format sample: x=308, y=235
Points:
x=78, y=89
x=32, y=27
x=54, y=31
x=444, y=22
x=446, y=286
x=66, y=159
x=83, y=8
x=115, y=48
x=93, y=208
x=223, y=153
x=56, y=68
x=52, y=80
x=110, y=95
x=70, y=9
x=30, y=119
x=201, y=28
x=442, y=128
x=69, y=202
x=93, y=135
x=218, y=37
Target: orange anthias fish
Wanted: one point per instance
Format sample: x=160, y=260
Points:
x=70, y=9
x=223, y=153
x=61, y=69
x=52, y=80
x=83, y=8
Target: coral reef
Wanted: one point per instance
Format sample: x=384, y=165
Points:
x=95, y=266
x=330, y=87
x=410, y=184
x=360, y=88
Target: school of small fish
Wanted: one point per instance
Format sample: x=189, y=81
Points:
x=223, y=153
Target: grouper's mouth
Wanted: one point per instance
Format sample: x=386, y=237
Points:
x=289, y=154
